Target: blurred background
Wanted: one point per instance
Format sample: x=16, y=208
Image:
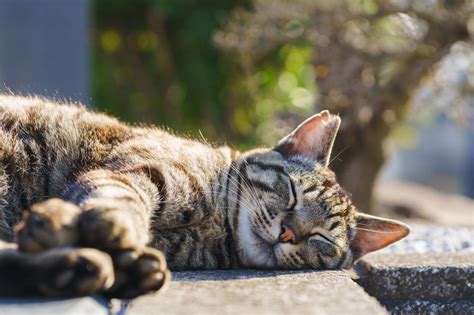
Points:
x=400, y=73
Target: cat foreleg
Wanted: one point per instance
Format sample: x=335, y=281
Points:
x=116, y=216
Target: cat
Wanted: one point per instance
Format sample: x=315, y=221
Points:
x=90, y=204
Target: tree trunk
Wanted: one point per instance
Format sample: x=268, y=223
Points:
x=350, y=86
x=360, y=160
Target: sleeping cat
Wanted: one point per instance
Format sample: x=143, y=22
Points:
x=89, y=204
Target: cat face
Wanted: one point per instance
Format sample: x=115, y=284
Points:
x=291, y=212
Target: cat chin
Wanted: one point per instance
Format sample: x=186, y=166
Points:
x=258, y=253
x=280, y=250
x=255, y=251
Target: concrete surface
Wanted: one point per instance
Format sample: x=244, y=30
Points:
x=86, y=305
x=403, y=283
x=259, y=292
x=420, y=282
x=405, y=278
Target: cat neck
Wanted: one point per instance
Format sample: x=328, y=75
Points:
x=225, y=188
x=192, y=227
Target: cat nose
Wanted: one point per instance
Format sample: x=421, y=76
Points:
x=287, y=235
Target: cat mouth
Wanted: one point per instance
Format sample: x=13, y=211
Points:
x=266, y=250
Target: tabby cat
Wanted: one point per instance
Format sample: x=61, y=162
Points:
x=89, y=204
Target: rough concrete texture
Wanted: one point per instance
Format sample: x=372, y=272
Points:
x=415, y=282
x=433, y=307
x=87, y=305
x=259, y=292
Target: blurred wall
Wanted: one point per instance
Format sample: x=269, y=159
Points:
x=44, y=48
x=443, y=158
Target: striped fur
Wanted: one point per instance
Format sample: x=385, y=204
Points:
x=203, y=207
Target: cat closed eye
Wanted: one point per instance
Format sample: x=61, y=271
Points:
x=324, y=248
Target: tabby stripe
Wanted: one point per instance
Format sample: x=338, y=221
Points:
x=42, y=158
x=230, y=229
x=328, y=183
x=334, y=225
x=334, y=214
x=293, y=192
x=348, y=234
x=120, y=191
x=220, y=252
x=173, y=250
x=311, y=188
x=156, y=177
x=229, y=176
x=266, y=167
x=339, y=203
x=330, y=197
x=322, y=192
x=295, y=259
x=195, y=185
x=245, y=176
x=262, y=219
x=235, y=215
x=118, y=182
x=347, y=209
x=321, y=262
x=300, y=256
x=263, y=186
x=35, y=163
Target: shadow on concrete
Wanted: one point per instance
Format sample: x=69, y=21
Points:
x=84, y=305
x=229, y=275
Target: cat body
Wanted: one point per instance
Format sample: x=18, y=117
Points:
x=49, y=145
x=80, y=186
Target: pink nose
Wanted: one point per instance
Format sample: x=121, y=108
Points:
x=287, y=235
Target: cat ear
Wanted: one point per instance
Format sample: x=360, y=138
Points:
x=373, y=233
x=312, y=139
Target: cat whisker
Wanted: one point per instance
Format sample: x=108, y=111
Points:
x=337, y=155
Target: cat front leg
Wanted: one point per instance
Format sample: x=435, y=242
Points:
x=116, y=216
x=107, y=210
x=104, y=210
x=116, y=209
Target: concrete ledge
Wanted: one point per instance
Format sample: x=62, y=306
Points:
x=420, y=282
x=259, y=292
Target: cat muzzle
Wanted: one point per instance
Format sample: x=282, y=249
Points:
x=287, y=235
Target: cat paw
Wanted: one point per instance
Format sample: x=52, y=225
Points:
x=48, y=224
x=72, y=272
x=110, y=229
x=138, y=272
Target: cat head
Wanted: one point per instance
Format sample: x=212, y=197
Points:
x=290, y=212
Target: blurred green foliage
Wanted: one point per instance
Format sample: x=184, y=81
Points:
x=154, y=61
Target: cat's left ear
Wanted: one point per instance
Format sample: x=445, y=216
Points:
x=312, y=139
x=373, y=233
